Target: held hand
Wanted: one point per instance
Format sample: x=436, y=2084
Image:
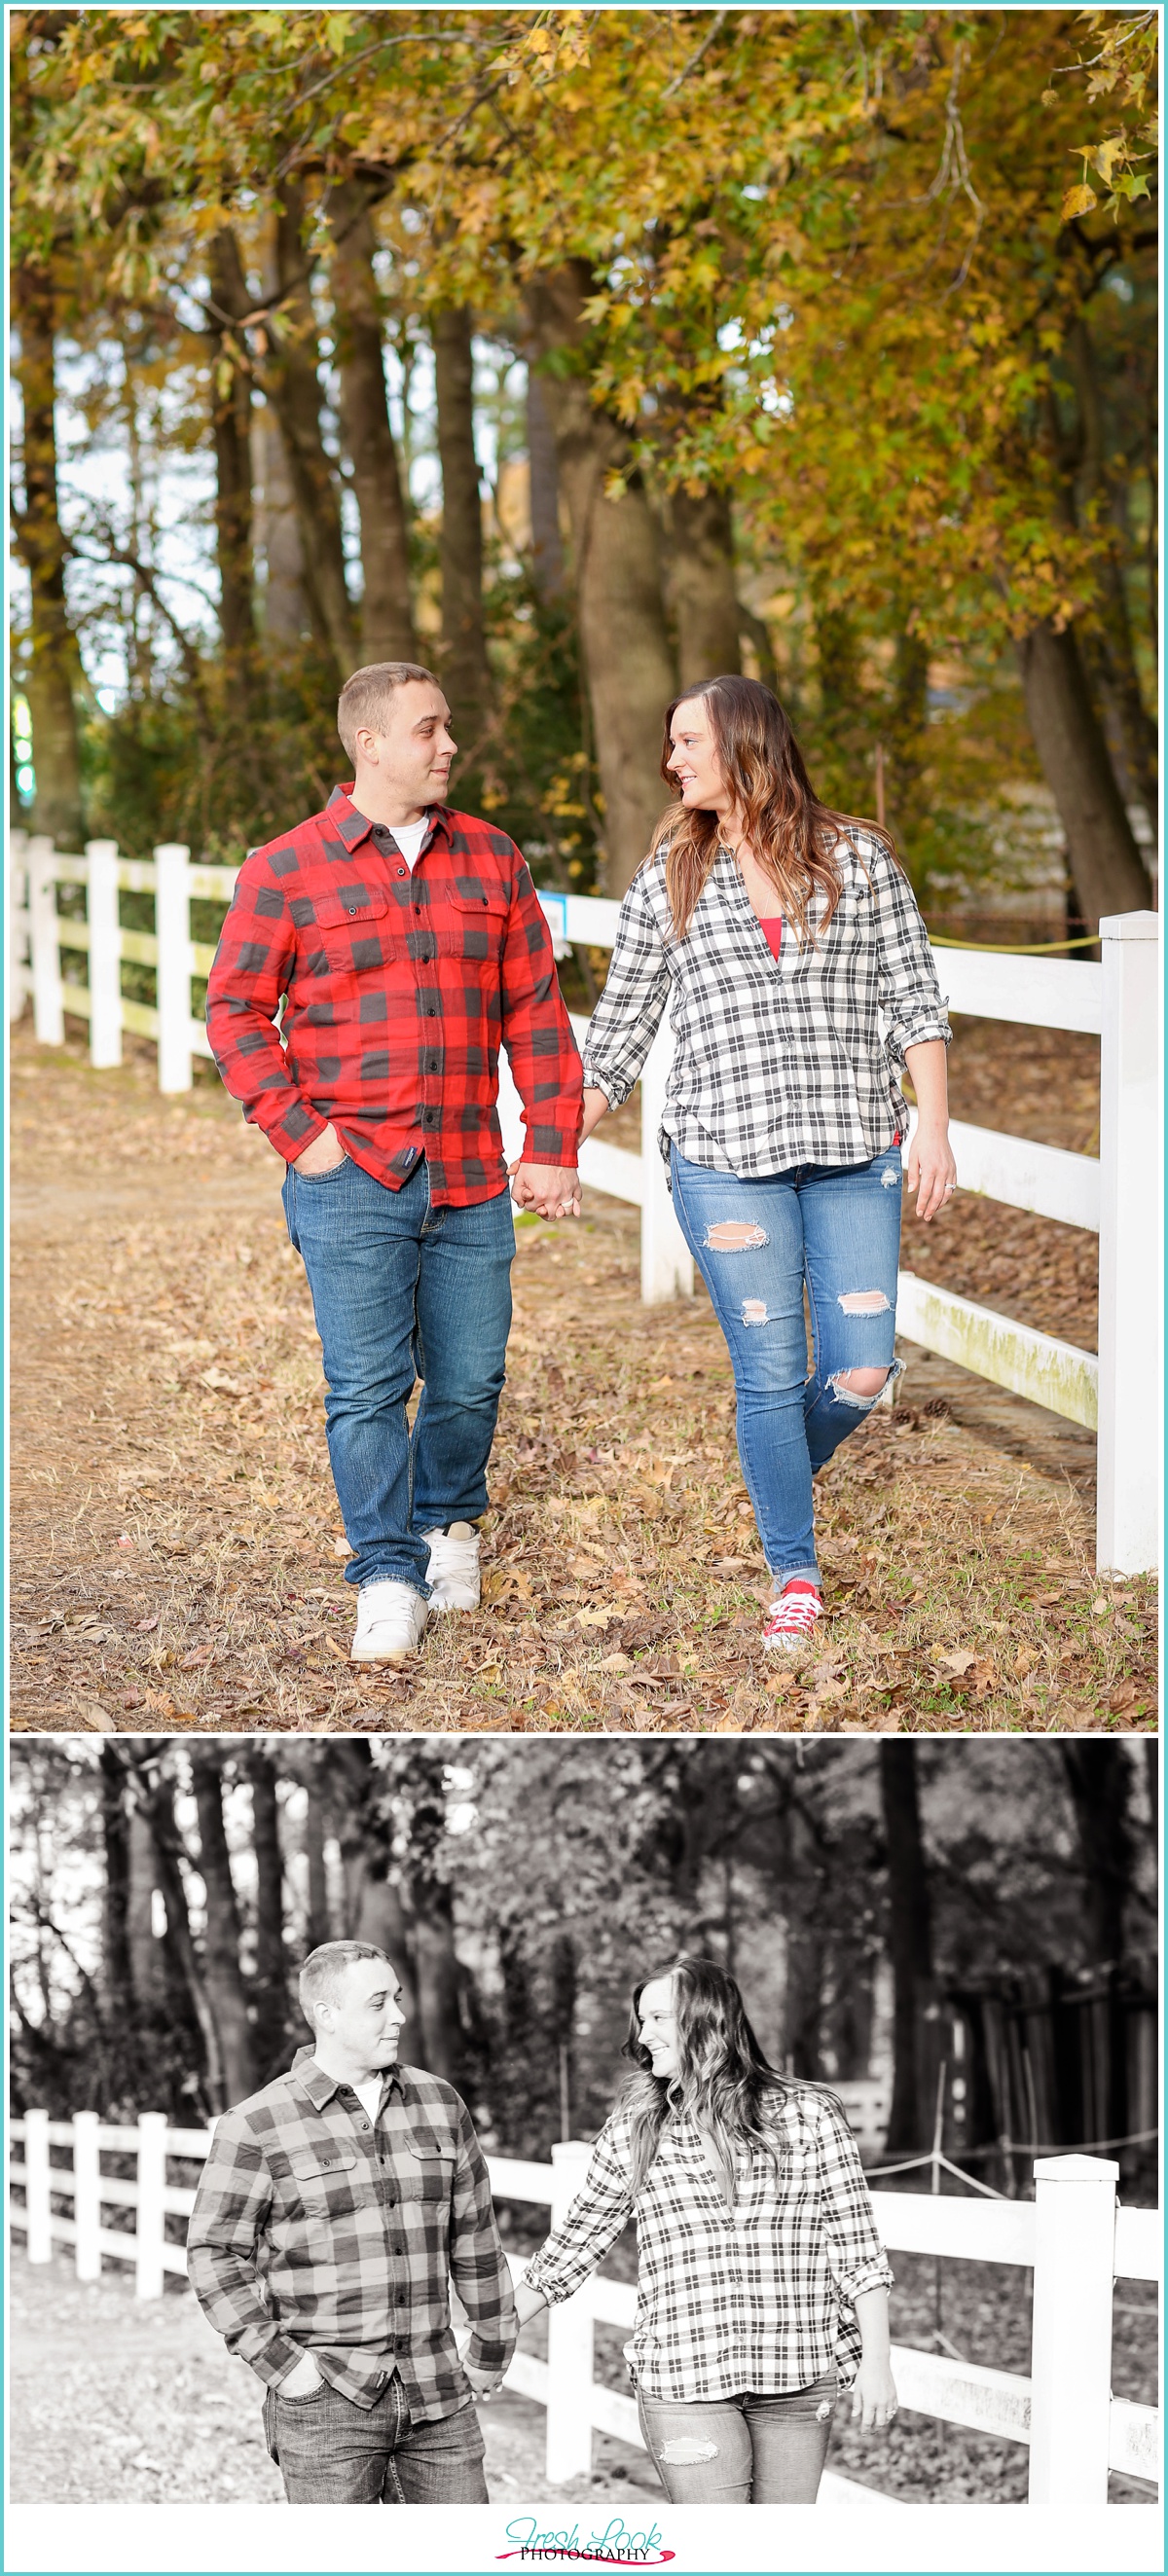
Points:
x=544, y=1186
x=301, y=2381
x=874, y=2399
x=931, y=1170
x=322, y=1155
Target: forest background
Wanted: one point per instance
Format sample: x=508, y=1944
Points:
x=585, y=353
x=165, y=1894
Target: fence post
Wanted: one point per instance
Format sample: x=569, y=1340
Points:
x=44, y=942
x=151, y=2217
x=1074, y=2263
x=570, y=2332
x=87, y=2195
x=172, y=929
x=105, y=967
x=19, y=970
x=37, y=2187
x=1129, y=1246
x=666, y=1262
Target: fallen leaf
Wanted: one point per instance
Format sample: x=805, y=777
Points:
x=957, y=1664
x=617, y=1664
x=341, y=1547
x=1098, y=1605
x=98, y=1718
x=198, y=1655
x=218, y=1383
x=601, y=1617
x=335, y=1648
x=1125, y=1697
x=147, y=1624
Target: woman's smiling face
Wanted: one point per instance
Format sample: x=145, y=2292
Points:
x=694, y=759
x=659, y=2026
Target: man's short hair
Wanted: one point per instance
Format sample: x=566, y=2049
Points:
x=324, y=1968
x=364, y=700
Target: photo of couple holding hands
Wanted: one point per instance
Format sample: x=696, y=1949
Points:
x=339, y=2205
x=403, y=943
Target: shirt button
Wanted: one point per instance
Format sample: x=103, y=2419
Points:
x=401, y=872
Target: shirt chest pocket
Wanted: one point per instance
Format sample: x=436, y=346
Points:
x=426, y=2171
x=350, y=927
x=474, y=921
x=327, y=2181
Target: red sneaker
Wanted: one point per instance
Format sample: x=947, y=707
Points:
x=792, y=1617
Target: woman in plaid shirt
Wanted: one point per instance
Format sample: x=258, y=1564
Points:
x=762, y=2284
x=787, y=942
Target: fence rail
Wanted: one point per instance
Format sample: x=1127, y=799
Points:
x=1072, y=2236
x=1115, y=1195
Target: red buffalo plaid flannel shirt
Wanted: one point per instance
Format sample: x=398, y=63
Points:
x=398, y=990
x=317, y=2230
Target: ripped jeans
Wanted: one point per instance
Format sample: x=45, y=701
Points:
x=756, y=1242
x=740, y=2450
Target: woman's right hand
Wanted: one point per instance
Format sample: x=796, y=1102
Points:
x=527, y=2303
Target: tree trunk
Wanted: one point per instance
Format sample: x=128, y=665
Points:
x=54, y=672
x=291, y=382
x=616, y=564
x=224, y=1976
x=1109, y=874
x=117, y=1975
x=157, y=1800
x=701, y=581
x=387, y=622
x=231, y=426
x=437, y=1974
x=465, y=671
x=909, y=1942
x=1099, y=1786
x=146, y=1961
x=549, y=571
x=271, y=1984
x=318, y=1927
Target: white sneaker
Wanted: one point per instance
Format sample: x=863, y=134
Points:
x=453, y=1569
x=391, y=1622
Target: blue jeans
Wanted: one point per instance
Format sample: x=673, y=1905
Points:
x=837, y=1230
x=403, y=1290
x=740, y=2450
x=330, y=2451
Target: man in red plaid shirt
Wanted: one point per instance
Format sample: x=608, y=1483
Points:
x=405, y=942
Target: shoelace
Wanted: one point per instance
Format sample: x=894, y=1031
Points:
x=794, y=1614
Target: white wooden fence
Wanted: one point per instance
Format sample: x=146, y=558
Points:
x=1116, y=1196
x=1073, y=2236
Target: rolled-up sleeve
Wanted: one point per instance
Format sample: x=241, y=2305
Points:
x=857, y=2257
x=627, y=1016
x=910, y=995
x=599, y=2214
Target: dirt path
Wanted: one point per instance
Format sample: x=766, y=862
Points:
x=177, y=1553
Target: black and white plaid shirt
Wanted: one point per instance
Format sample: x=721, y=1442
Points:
x=319, y=2230
x=778, y=1061
x=758, y=2297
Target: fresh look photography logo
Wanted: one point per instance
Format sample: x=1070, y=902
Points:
x=615, y=2546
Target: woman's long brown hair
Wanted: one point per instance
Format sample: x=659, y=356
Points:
x=723, y=2082
x=791, y=832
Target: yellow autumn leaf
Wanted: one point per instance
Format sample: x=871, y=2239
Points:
x=1078, y=201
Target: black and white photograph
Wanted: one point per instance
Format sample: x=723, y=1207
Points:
x=565, y=2125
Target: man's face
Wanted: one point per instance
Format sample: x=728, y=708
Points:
x=363, y=2024
x=413, y=752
